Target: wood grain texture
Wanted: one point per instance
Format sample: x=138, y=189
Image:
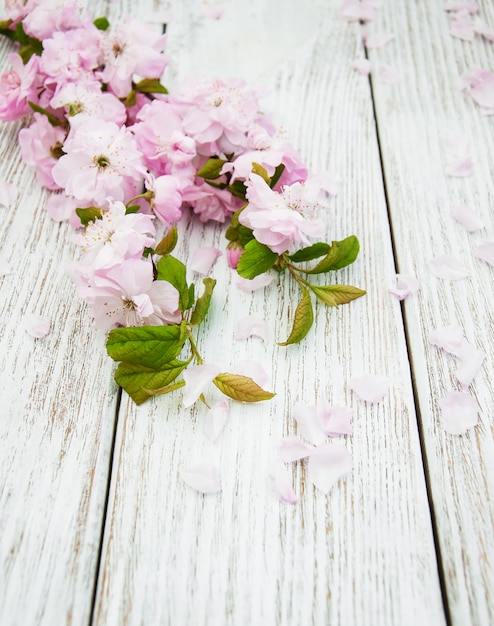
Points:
x=362, y=555
x=415, y=116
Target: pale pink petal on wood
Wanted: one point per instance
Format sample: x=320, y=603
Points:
x=197, y=378
x=467, y=217
x=327, y=464
x=470, y=363
x=485, y=251
x=448, y=338
x=215, y=419
x=460, y=5
x=448, y=268
x=292, y=449
x=282, y=484
x=480, y=85
x=259, y=282
x=372, y=42
x=252, y=369
x=362, y=66
x=202, y=477
x=308, y=423
x=37, y=325
x=8, y=193
x=481, y=28
x=203, y=259
x=462, y=26
x=459, y=412
x=252, y=325
x=371, y=387
x=406, y=284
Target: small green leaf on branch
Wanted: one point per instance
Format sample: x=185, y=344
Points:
x=302, y=321
x=261, y=171
x=277, y=175
x=211, y=169
x=203, y=302
x=311, y=252
x=168, y=243
x=238, y=189
x=334, y=295
x=340, y=254
x=89, y=215
x=141, y=382
x=256, y=259
x=150, y=85
x=241, y=388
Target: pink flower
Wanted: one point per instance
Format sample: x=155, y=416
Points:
x=129, y=49
x=233, y=253
x=17, y=88
x=101, y=161
x=62, y=208
x=40, y=145
x=49, y=16
x=281, y=220
x=167, y=200
x=210, y=203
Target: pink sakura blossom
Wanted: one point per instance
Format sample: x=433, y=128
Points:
x=479, y=83
x=161, y=138
x=216, y=418
x=233, y=253
x=371, y=387
x=282, y=484
x=327, y=464
x=259, y=282
x=362, y=66
x=406, y=284
x=203, y=259
x=210, y=203
x=218, y=114
x=115, y=237
x=448, y=267
x=252, y=325
x=37, y=325
x=49, y=16
x=16, y=10
x=126, y=295
x=131, y=49
x=166, y=202
x=459, y=412
x=485, y=251
x=101, y=162
x=467, y=217
x=84, y=99
x=197, y=378
x=202, y=477
x=8, y=193
x=18, y=88
x=282, y=220
x=40, y=145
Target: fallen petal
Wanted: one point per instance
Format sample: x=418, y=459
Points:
x=37, y=325
x=362, y=66
x=448, y=268
x=203, y=259
x=252, y=326
x=215, y=419
x=372, y=42
x=327, y=464
x=8, y=193
x=470, y=7
x=485, y=251
x=259, y=282
x=480, y=85
x=203, y=477
x=406, y=284
x=459, y=412
x=336, y=420
x=467, y=217
x=481, y=28
x=292, y=449
x=282, y=484
x=252, y=369
x=448, y=338
x=371, y=387
x=462, y=27
x=197, y=378
x=471, y=362
x=308, y=423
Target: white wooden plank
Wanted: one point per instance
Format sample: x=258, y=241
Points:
x=415, y=116
x=362, y=555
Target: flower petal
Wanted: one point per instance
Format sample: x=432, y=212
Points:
x=259, y=282
x=215, y=419
x=8, y=193
x=37, y=325
x=485, y=251
x=378, y=40
x=252, y=369
x=197, y=378
x=327, y=464
x=292, y=449
x=335, y=420
x=203, y=477
x=308, y=423
x=252, y=325
x=467, y=217
x=362, y=66
x=282, y=484
x=471, y=362
x=448, y=267
x=459, y=412
x=203, y=259
x=371, y=387
x=406, y=284
x=449, y=338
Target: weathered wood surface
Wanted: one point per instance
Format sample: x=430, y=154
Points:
x=365, y=553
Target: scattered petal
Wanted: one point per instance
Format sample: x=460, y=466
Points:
x=335, y=420
x=459, y=412
x=203, y=477
x=212, y=11
x=356, y=11
x=252, y=325
x=5, y=267
x=448, y=338
x=485, y=251
x=458, y=160
x=259, y=282
x=481, y=28
x=282, y=483
x=252, y=369
x=452, y=340
x=372, y=42
x=470, y=7
x=462, y=26
x=471, y=362
x=215, y=419
x=406, y=284
x=197, y=378
x=292, y=449
x=448, y=268
x=203, y=259
x=362, y=66
x=388, y=75
x=467, y=217
x=308, y=423
x=370, y=388
x=479, y=83
x=36, y=325
x=327, y=464
x=8, y=193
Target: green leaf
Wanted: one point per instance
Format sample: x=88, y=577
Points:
x=211, y=169
x=54, y=121
x=244, y=235
x=133, y=208
x=89, y=215
x=241, y=388
x=6, y=31
x=174, y=271
x=149, y=346
x=256, y=259
x=302, y=321
x=311, y=252
x=277, y=175
x=142, y=382
x=168, y=243
x=202, y=304
x=150, y=85
x=101, y=23
x=334, y=295
x=341, y=254
x=131, y=99
x=238, y=189
x=261, y=171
